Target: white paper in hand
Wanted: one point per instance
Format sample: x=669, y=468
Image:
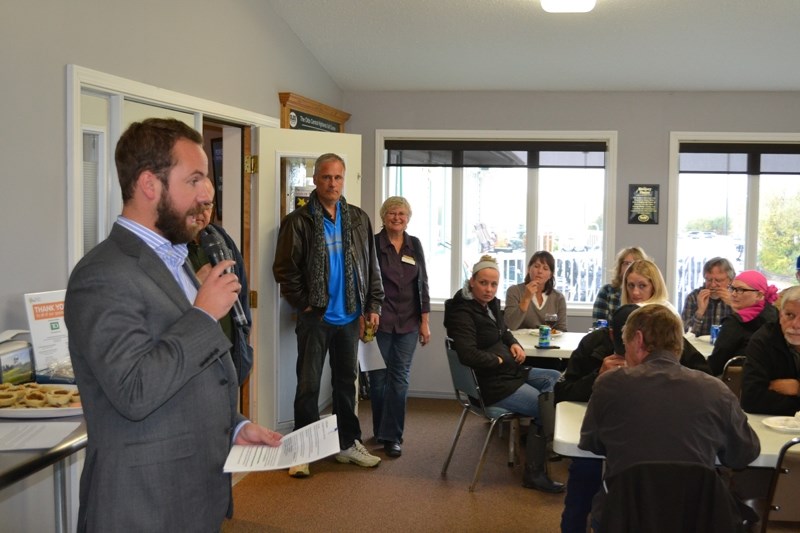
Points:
x=369, y=356
x=306, y=445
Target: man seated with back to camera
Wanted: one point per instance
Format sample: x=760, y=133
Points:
x=654, y=409
x=771, y=375
x=709, y=304
x=598, y=351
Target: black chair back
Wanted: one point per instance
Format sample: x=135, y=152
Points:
x=666, y=497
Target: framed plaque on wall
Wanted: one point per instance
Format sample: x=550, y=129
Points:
x=643, y=204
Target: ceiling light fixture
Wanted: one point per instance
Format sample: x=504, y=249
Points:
x=568, y=6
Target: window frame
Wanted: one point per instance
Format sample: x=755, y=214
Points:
x=608, y=137
x=751, y=219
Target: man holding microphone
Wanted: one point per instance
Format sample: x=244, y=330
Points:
x=157, y=382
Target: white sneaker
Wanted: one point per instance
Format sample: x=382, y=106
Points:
x=359, y=455
x=300, y=470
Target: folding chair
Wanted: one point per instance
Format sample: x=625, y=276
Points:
x=666, y=497
x=782, y=503
x=468, y=394
x=732, y=374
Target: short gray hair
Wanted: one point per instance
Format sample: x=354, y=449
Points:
x=723, y=264
x=392, y=202
x=324, y=158
x=792, y=294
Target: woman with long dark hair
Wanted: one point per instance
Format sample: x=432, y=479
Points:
x=529, y=302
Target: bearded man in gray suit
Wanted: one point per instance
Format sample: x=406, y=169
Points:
x=157, y=382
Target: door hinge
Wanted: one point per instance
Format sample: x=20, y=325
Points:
x=253, y=299
x=251, y=164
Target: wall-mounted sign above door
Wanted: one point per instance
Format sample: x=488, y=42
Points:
x=301, y=113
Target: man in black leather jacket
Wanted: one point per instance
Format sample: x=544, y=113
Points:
x=328, y=270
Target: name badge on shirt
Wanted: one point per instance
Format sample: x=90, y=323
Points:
x=408, y=259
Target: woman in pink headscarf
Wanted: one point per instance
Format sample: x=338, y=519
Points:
x=751, y=300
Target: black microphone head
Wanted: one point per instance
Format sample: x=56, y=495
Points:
x=207, y=238
x=212, y=245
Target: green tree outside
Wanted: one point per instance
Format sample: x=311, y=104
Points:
x=717, y=225
x=779, y=238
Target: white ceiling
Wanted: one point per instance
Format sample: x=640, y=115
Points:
x=641, y=45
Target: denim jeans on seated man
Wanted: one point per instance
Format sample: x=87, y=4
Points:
x=525, y=400
x=389, y=386
x=585, y=479
x=316, y=339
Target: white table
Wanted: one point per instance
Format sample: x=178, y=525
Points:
x=702, y=344
x=567, y=341
x=569, y=418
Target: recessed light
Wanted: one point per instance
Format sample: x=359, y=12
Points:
x=568, y=6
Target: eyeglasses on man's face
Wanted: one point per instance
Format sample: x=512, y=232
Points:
x=740, y=290
x=719, y=282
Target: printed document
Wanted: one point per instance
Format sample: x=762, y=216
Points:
x=306, y=445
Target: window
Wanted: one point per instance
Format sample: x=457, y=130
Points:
x=739, y=201
x=474, y=197
x=94, y=172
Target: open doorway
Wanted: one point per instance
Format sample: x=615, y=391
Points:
x=227, y=146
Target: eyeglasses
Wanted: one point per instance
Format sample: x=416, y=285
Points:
x=739, y=290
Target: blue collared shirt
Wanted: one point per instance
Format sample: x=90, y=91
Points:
x=173, y=255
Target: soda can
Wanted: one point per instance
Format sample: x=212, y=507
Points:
x=544, y=336
x=601, y=323
x=715, y=332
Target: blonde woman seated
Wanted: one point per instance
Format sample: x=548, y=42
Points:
x=643, y=284
x=474, y=321
x=528, y=303
x=608, y=299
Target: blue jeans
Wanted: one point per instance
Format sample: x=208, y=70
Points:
x=525, y=400
x=315, y=339
x=585, y=479
x=389, y=386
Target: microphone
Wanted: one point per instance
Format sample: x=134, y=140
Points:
x=217, y=251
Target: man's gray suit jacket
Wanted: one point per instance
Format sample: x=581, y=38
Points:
x=158, y=389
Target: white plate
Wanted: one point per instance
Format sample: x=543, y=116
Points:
x=535, y=332
x=785, y=424
x=43, y=412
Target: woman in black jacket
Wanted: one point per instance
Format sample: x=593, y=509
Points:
x=751, y=300
x=475, y=323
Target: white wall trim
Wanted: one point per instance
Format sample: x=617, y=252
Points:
x=81, y=78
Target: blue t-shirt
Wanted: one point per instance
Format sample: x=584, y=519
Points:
x=336, y=313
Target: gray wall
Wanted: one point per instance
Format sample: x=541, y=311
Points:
x=643, y=121
x=236, y=52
